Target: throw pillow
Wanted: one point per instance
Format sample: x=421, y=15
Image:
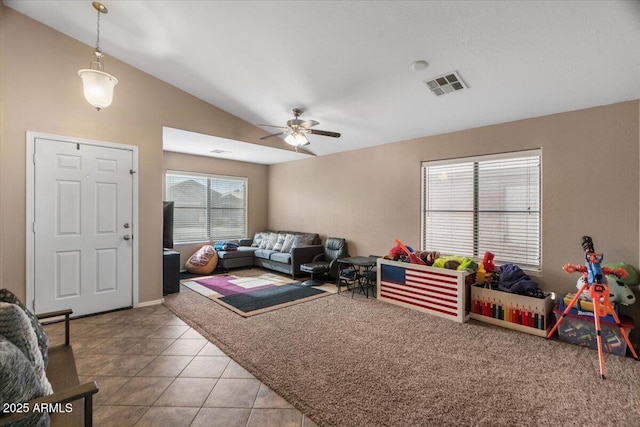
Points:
x=204, y=261
x=279, y=242
x=288, y=243
x=302, y=240
x=257, y=239
x=16, y=328
x=265, y=239
x=273, y=238
x=19, y=382
x=43, y=341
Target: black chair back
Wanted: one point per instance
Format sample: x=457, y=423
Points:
x=334, y=248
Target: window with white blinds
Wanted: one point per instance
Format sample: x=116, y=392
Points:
x=206, y=207
x=487, y=203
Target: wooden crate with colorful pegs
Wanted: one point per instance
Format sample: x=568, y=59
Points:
x=520, y=312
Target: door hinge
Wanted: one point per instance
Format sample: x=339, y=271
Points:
x=131, y=171
x=34, y=226
x=34, y=158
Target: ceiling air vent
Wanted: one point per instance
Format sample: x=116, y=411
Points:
x=446, y=83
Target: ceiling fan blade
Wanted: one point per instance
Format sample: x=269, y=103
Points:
x=308, y=124
x=305, y=151
x=272, y=126
x=324, y=133
x=273, y=134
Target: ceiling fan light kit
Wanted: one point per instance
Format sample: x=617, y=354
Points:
x=296, y=130
x=297, y=139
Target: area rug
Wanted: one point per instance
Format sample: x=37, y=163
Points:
x=251, y=295
x=363, y=362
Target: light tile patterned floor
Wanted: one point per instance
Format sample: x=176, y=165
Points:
x=154, y=370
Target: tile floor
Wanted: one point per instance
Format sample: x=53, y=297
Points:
x=154, y=370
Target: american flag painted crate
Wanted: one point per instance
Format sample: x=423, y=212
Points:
x=436, y=291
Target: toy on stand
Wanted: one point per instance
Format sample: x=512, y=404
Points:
x=596, y=282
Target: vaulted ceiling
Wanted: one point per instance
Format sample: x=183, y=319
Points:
x=349, y=63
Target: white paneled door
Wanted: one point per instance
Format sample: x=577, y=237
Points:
x=83, y=230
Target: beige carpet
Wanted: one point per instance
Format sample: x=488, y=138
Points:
x=362, y=362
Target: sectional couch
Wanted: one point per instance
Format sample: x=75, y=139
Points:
x=282, y=251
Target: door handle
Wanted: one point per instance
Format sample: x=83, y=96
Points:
x=127, y=237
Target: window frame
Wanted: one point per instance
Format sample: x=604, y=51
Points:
x=475, y=160
x=211, y=230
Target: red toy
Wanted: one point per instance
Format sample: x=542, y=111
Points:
x=487, y=262
x=396, y=252
x=413, y=257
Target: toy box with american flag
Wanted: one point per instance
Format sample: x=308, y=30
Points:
x=436, y=291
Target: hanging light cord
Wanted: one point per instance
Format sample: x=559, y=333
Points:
x=98, y=31
x=97, y=64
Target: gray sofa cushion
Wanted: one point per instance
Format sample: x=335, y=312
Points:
x=242, y=252
x=264, y=253
x=288, y=243
x=282, y=257
x=257, y=238
x=279, y=242
x=271, y=241
x=303, y=240
x=315, y=236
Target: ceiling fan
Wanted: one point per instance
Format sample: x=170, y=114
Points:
x=296, y=131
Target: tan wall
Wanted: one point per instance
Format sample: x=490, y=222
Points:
x=590, y=186
x=257, y=188
x=590, y=163
x=371, y=196
x=42, y=92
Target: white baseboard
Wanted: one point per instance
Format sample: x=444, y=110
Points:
x=148, y=303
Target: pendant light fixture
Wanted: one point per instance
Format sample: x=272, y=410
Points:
x=98, y=85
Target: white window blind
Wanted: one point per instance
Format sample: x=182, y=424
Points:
x=488, y=203
x=207, y=207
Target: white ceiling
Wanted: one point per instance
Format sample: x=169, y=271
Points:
x=182, y=141
x=348, y=63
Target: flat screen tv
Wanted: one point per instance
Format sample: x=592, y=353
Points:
x=167, y=225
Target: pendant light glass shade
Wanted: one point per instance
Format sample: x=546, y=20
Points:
x=98, y=87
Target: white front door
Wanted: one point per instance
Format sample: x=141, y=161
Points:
x=83, y=230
